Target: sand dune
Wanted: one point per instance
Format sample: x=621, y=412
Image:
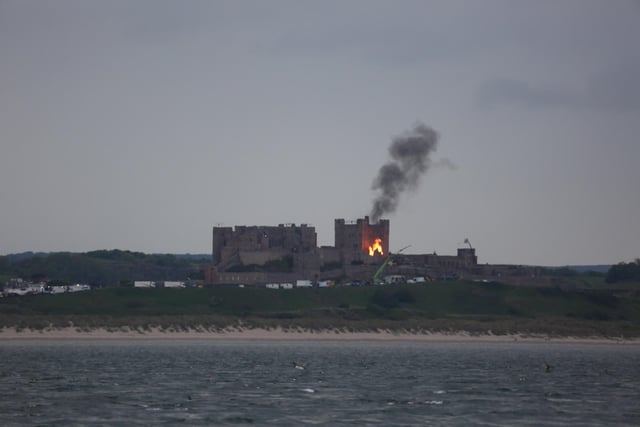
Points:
x=70, y=333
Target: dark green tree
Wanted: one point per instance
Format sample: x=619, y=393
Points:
x=624, y=272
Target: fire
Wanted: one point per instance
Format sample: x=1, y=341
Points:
x=376, y=247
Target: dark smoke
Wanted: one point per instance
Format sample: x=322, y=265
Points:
x=409, y=160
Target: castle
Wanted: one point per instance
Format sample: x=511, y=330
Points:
x=289, y=252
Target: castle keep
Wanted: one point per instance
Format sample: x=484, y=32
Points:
x=356, y=241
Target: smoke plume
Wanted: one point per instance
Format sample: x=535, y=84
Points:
x=409, y=161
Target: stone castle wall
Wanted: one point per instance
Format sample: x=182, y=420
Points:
x=235, y=249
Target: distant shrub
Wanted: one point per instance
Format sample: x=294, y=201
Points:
x=405, y=296
x=592, y=273
x=624, y=272
x=134, y=304
x=603, y=298
x=384, y=298
x=513, y=311
x=391, y=298
x=597, y=315
x=286, y=315
x=561, y=272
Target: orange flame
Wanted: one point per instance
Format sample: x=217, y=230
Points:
x=376, y=247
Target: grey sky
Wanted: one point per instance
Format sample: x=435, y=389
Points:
x=140, y=125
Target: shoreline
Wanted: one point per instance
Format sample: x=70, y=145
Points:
x=278, y=334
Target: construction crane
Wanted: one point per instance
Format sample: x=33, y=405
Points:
x=376, y=277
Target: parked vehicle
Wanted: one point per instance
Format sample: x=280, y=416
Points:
x=304, y=284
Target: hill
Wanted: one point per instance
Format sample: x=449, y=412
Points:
x=439, y=306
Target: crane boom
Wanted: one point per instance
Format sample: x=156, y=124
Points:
x=376, y=276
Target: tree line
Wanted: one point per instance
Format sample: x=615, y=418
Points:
x=102, y=267
x=624, y=272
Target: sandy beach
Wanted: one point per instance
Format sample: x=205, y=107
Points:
x=70, y=333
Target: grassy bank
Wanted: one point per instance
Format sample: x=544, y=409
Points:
x=447, y=306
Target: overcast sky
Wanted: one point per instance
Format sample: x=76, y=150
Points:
x=140, y=125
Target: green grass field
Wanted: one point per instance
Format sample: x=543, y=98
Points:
x=471, y=306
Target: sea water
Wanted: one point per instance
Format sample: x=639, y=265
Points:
x=91, y=383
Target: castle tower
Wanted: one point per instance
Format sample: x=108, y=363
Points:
x=354, y=239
